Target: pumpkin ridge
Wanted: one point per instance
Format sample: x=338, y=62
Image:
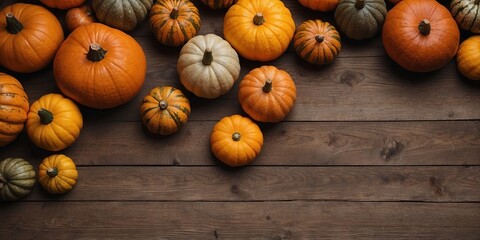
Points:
x=474, y=18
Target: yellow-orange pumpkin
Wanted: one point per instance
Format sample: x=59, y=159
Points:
x=57, y=174
x=468, y=58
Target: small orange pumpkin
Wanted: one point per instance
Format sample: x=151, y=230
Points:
x=317, y=42
x=164, y=110
x=236, y=140
x=468, y=58
x=79, y=16
x=62, y=4
x=57, y=174
x=320, y=5
x=13, y=108
x=267, y=94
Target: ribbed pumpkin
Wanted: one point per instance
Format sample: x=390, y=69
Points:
x=236, y=140
x=17, y=179
x=79, y=16
x=122, y=14
x=320, y=5
x=164, y=110
x=267, y=94
x=208, y=66
x=57, y=174
x=217, y=4
x=259, y=30
x=174, y=22
x=465, y=13
x=62, y=4
x=317, y=42
x=30, y=36
x=13, y=108
x=360, y=19
x=421, y=36
x=468, y=58
x=54, y=122
x=100, y=67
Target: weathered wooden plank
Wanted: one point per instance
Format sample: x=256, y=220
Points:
x=257, y=220
x=433, y=184
x=286, y=143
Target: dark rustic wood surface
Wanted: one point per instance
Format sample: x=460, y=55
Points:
x=370, y=151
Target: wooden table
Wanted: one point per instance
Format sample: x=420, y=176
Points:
x=368, y=151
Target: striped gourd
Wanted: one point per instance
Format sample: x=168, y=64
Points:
x=164, y=110
x=13, y=108
x=466, y=14
x=174, y=22
x=317, y=42
x=216, y=4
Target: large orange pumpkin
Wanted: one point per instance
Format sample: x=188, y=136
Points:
x=320, y=5
x=267, y=94
x=99, y=66
x=259, y=30
x=421, y=36
x=30, y=36
x=62, y=4
x=13, y=108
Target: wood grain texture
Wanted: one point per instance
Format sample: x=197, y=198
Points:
x=261, y=220
x=286, y=143
x=433, y=184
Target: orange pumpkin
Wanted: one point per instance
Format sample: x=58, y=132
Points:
x=30, y=36
x=79, y=16
x=174, y=22
x=57, y=174
x=421, y=36
x=99, y=66
x=259, y=30
x=320, y=5
x=267, y=94
x=164, y=110
x=468, y=58
x=236, y=140
x=13, y=108
x=317, y=42
x=62, y=4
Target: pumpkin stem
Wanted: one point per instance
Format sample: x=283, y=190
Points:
x=96, y=53
x=236, y=136
x=163, y=104
x=207, y=57
x=2, y=181
x=319, y=38
x=52, y=172
x=258, y=19
x=359, y=4
x=46, y=117
x=268, y=86
x=424, y=27
x=174, y=13
x=13, y=25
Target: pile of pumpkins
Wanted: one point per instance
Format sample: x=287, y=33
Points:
x=100, y=66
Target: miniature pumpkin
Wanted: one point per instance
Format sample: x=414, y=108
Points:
x=99, y=66
x=267, y=94
x=17, y=179
x=174, y=22
x=259, y=30
x=317, y=42
x=30, y=36
x=124, y=15
x=54, y=122
x=208, y=66
x=360, y=19
x=468, y=58
x=421, y=36
x=57, y=174
x=79, y=16
x=164, y=110
x=13, y=108
x=465, y=13
x=62, y=4
x=216, y=4
x=320, y=5
x=236, y=140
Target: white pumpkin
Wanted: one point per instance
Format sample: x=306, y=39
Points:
x=208, y=66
